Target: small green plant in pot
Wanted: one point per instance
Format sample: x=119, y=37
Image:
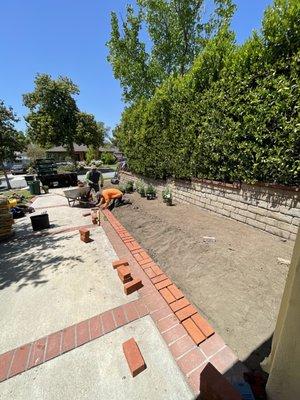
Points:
x=150, y=192
x=138, y=186
x=129, y=187
x=167, y=196
x=142, y=191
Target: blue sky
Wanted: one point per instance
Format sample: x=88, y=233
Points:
x=67, y=37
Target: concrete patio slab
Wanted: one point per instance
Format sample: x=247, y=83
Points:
x=98, y=370
x=50, y=282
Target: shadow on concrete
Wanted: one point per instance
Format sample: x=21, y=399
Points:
x=24, y=258
x=249, y=371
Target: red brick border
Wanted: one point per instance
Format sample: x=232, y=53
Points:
x=30, y=355
x=164, y=301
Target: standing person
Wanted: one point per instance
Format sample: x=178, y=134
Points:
x=108, y=195
x=94, y=178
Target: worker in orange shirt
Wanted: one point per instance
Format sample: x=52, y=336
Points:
x=110, y=198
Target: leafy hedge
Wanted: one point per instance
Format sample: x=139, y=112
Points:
x=233, y=116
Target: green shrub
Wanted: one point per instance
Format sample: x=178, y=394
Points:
x=233, y=117
x=108, y=158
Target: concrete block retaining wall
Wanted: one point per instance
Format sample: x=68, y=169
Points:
x=273, y=209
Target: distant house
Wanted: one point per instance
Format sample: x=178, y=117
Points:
x=60, y=154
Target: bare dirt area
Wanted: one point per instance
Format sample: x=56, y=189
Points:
x=236, y=282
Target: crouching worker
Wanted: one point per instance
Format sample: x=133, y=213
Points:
x=111, y=198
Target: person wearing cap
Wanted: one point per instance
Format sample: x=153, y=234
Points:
x=94, y=178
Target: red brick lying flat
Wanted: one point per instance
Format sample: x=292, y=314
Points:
x=159, y=278
x=124, y=273
x=179, y=304
x=163, y=284
x=132, y=286
x=214, y=385
x=118, y=263
x=193, y=331
x=157, y=270
x=203, y=325
x=20, y=358
x=186, y=312
x=53, y=345
x=37, y=353
x=167, y=295
x=5, y=361
x=134, y=357
x=175, y=292
x=150, y=272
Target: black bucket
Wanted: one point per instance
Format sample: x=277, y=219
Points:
x=40, y=222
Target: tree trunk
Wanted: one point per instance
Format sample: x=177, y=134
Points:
x=72, y=153
x=6, y=177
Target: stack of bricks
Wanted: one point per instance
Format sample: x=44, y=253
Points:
x=84, y=235
x=124, y=273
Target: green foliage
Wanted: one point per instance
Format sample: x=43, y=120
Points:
x=177, y=33
x=108, y=158
x=91, y=154
x=167, y=194
x=11, y=140
x=233, y=116
x=54, y=118
x=129, y=187
x=34, y=152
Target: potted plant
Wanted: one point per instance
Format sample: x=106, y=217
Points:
x=150, y=192
x=129, y=187
x=142, y=191
x=138, y=186
x=167, y=196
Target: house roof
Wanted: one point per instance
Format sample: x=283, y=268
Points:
x=82, y=149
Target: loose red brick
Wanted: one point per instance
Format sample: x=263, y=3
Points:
x=176, y=292
x=159, y=278
x=134, y=357
x=119, y=316
x=131, y=311
x=135, y=246
x=150, y=272
x=68, y=339
x=163, y=284
x=179, y=304
x=37, y=353
x=120, y=262
x=190, y=361
x=108, y=322
x=96, y=327
x=124, y=273
x=167, y=295
x=203, y=325
x=82, y=332
x=84, y=231
x=53, y=345
x=5, y=361
x=132, y=286
x=193, y=331
x=20, y=359
x=213, y=385
x=186, y=312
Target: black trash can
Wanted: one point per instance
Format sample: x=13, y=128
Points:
x=40, y=222
x=29, y=178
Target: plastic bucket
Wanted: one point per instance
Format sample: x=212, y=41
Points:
x=34, y=187
x=40, y=222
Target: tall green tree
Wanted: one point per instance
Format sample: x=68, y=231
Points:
x=11, y=140
x=52, y=118
x=177, y=33
x=55, y=119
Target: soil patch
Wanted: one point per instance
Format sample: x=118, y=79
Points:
x=235, y=282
